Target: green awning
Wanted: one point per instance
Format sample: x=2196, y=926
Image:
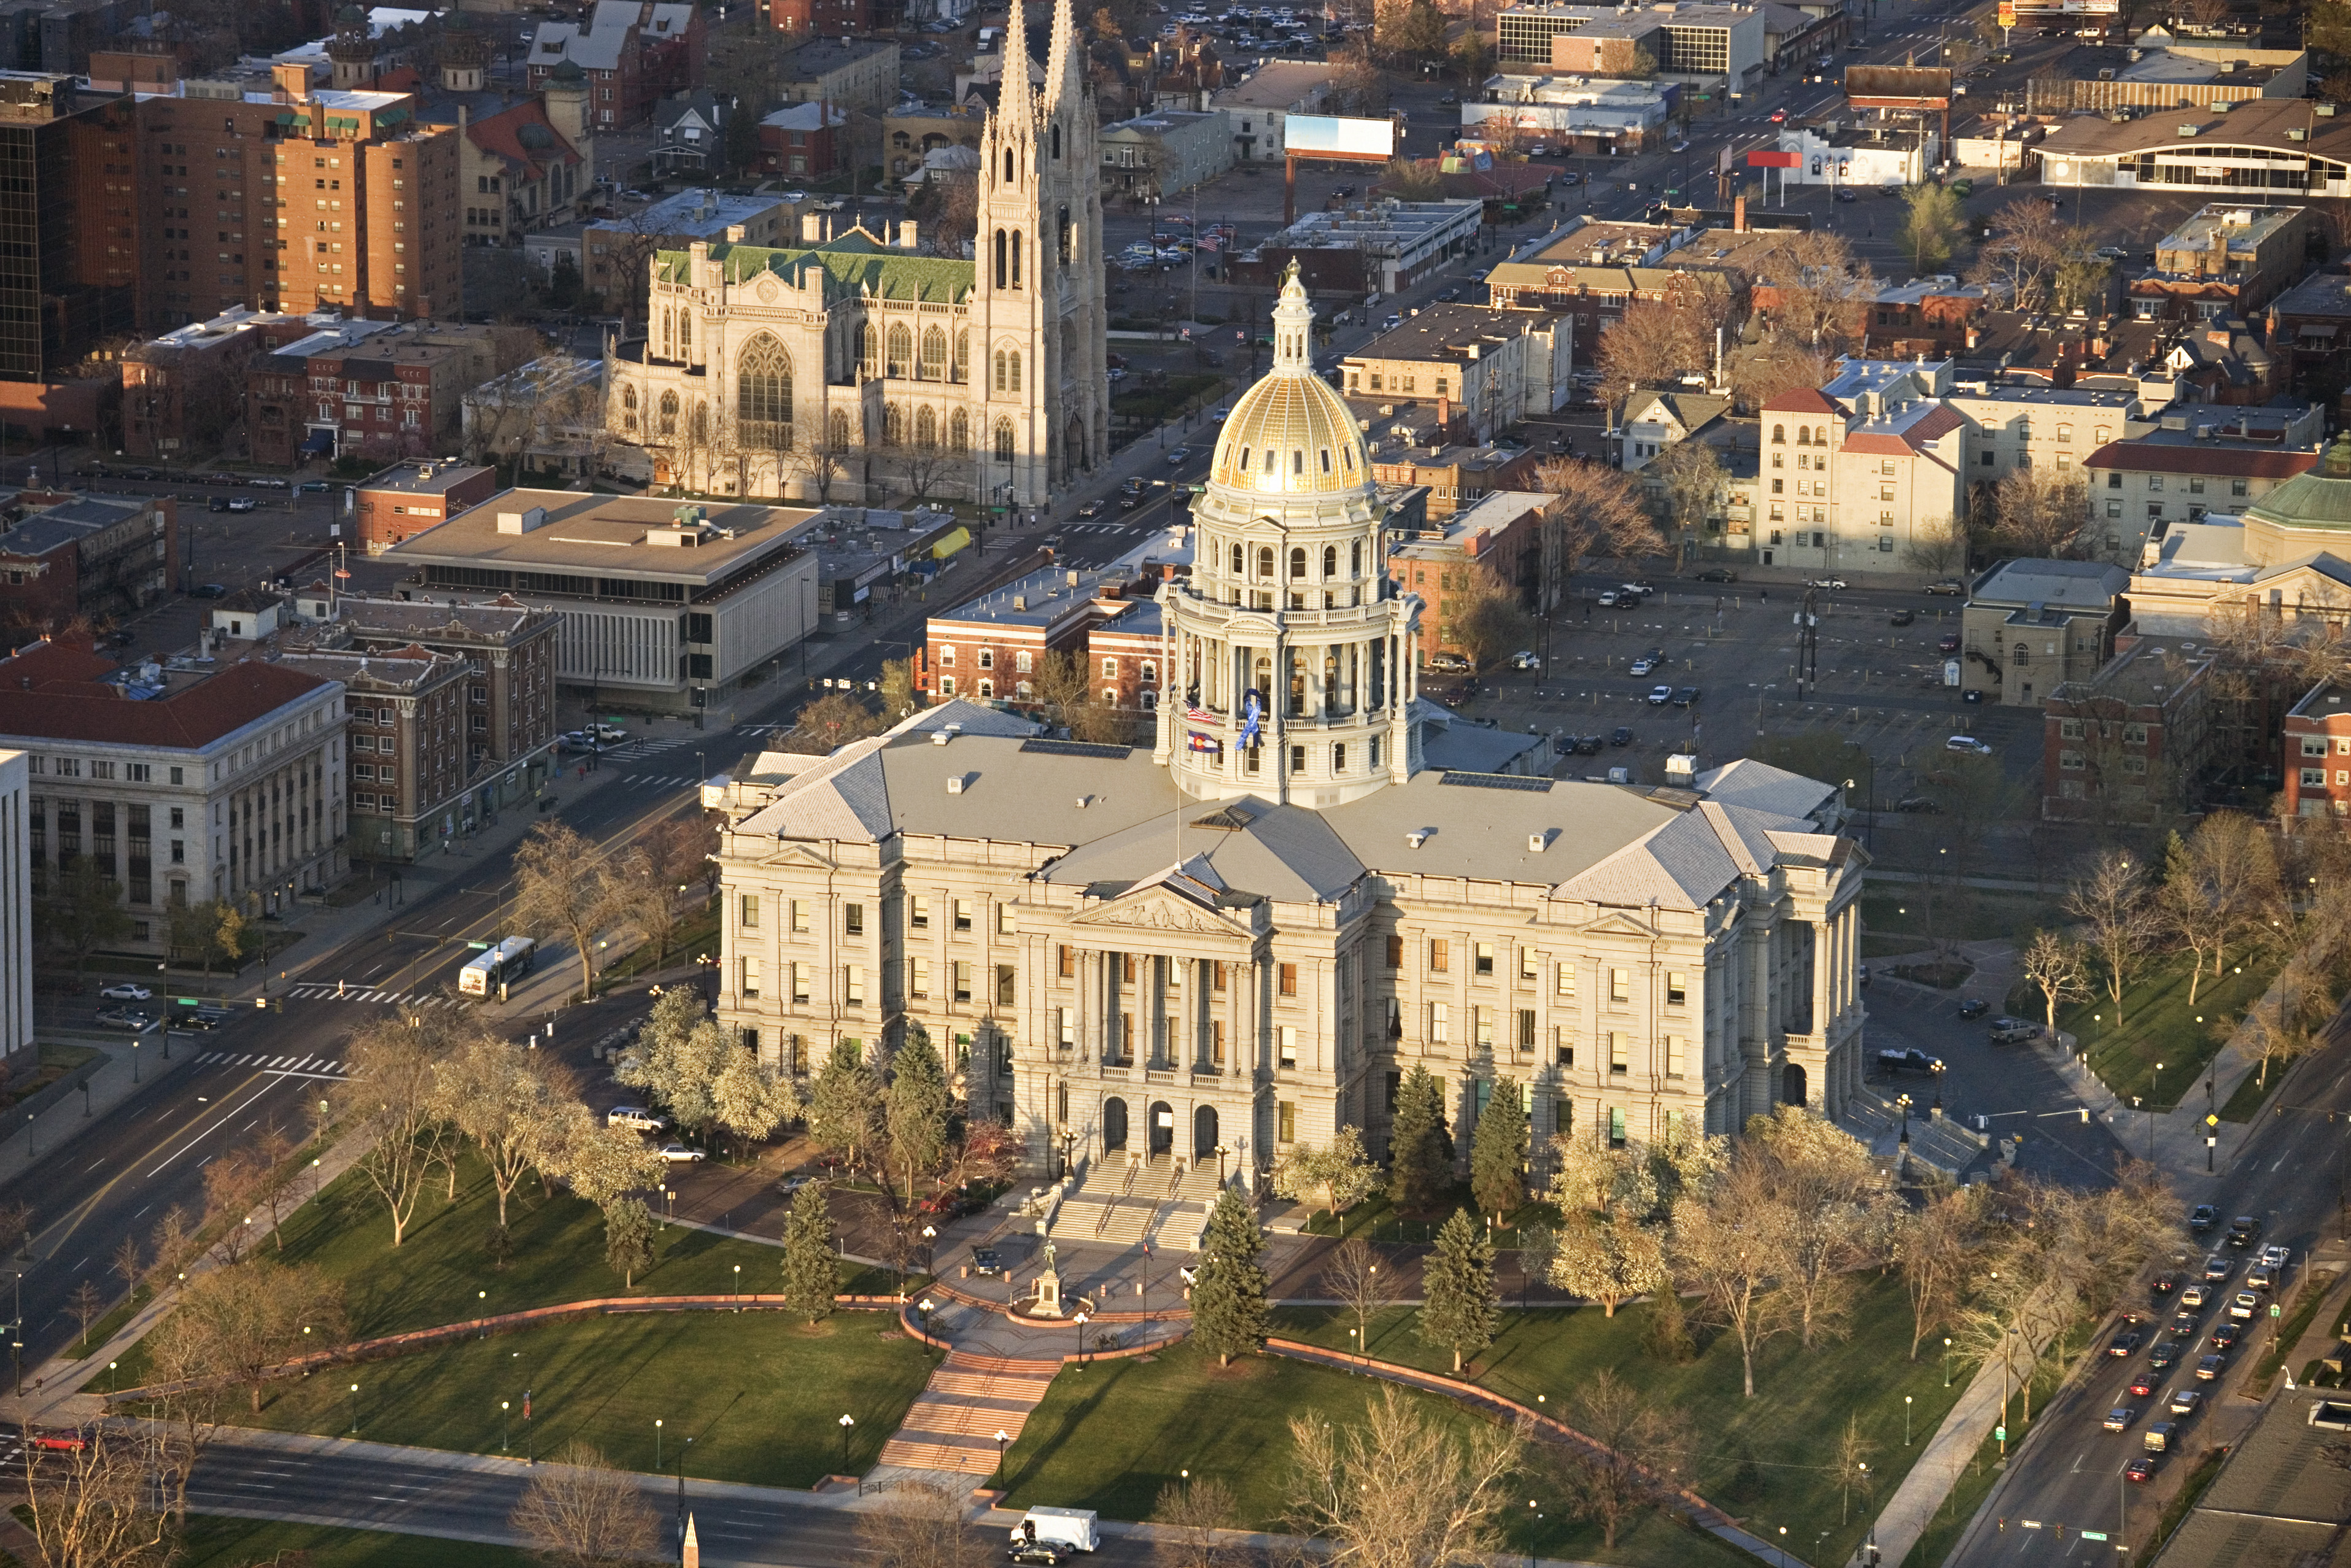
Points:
x=952, y=543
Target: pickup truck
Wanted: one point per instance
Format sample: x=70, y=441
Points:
x=1908, y=1062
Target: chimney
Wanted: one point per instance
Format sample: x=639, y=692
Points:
x=1975, y=338
x=1738, y=216
x=1444, y=411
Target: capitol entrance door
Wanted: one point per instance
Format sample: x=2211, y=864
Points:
x=1162, y=1129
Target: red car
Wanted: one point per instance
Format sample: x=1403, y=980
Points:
x=67, y=1442
x=2143, y=1384
x=2140, y=1469
x=1779, y=117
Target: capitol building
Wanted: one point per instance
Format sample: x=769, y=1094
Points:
x=1240, y=937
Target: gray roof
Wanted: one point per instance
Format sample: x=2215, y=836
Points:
x=2081, y=584
x=1759, y=787
x=2278, y=1499
x=1284, y=852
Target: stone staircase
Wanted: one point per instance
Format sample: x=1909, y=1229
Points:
x=1939, y=1143
x=952, y=1426
x=1184, y=1215
x=1084, y=1212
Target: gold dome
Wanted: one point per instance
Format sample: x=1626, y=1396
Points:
x=1290, y=433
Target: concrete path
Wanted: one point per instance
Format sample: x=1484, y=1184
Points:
x=1940, y=1464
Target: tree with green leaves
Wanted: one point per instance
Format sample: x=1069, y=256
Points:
x=1420, y=1150
x=629, y=1239
x=1931, y=228
x=680, y=1055
x=80, y=909
x=844, y=1108
x=809, y=1274
x=1229, y=1295
x=1339, y=1172
x=1497, y=1151
x=1459, y=1309
x=915, y=1107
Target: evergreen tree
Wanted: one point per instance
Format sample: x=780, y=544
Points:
x=1228, y=1305
x=1420, y=1152
x=627, y=1240
x=1498, y=1151
x=915, y=1107
x=809, y=1277
x=844, y=1108
x=1459, y=1309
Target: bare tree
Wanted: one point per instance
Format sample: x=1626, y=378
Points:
x=1197, y=1517
x=1820, y=293
x=1692, y=482
x=1597, y=514
x=1400, y=1489
x=1938, y=545
x=831, y=722
x=1483, y=618
x=2110, y=902
x=391, y=1062
x=1640, y=1445
x=1727, y=1247
x=2041, y=512
x=238, y=1324
x=1854, y=1454
x=1356, y=1277
x=581, y=1512
x=1655, y=341
x=2054, y=967
x=88, y=1507
x=498, y=1097
x=1836, y=1212
x=922, y=1524
x=559, y=891
x=1064, y=685
x=1931, y=1246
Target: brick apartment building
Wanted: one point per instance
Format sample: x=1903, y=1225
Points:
x=65, y=557
x=834, y=19
x=634, y=53
x=410, y=497
x=1501, y=539
x=387, y=394
x=2318, y=753
x=405, y=728
x=2131, y=741
x=1458, y=476
x=993, y=647
x=184, y=391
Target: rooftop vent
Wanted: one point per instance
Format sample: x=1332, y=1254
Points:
x=955, y=784
x=1538, y=842
x=1418, y=837
x=522, y=522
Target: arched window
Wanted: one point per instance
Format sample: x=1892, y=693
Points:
x=894, y=425
x=1821, y=436
x=629, y=409
x=963, y=357
x=999, y=245
x=697, y=424
x=1004, y=440
x=1355, y=558
x=869, y=347
x=1265, y=562
x=1330, y=563
x=987, y=658
x=988, y=688
x=959, y=432
x=1016, y=369
x=837, y=430
x=1057, y=140
x=684, y=334
x=1803, y=435
x=1000, y=370
x=668, y=414
x=926, y=429
x=899, y=357
x=1239, y=565
x=933, y=367
x=1297, y=562
x=1007, y=171
x=668, y=333
x=1015, y=258
x=763, y=394
x=1779, y=435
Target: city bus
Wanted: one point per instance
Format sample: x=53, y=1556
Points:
x=504, y=963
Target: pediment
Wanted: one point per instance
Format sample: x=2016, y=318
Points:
x=791, y=853
x=768, y=289
x=1616, y=923
x=1159, y=910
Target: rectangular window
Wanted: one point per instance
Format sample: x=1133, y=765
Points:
x=800, y=983
x=1440, y=955
x=750, y=915
x=853, y=986
x=1396, y=952
x=1674, y=1048
x=1615, y=1127
x=918, y=913
x=1677, y=988
x=1216, y=976
x=1563, y=1045
x=918, y=979
x=1065, y=1027
x=799, y=916
x=1216, y=1043
x=1004, y=983
x=748, y=989
x=1006, y=921
x=1483, y=958
x=963, y=982
x=1290, y=979
x=1619, y=1047
x=1069, y=965
x=1440, y=1024
x=963, y=913
x=1525, y=1037
x=2313, y=777
x=1289, y=1048
x=1567, y=981
x=1620, y=984
x=1530, y=964
x=1285, y=1121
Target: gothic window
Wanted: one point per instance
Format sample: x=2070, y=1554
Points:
x=869, y=347
x=629, y=409
x=1015, y=258
x=1297, y=562
x=1004, y=440
x=1057, y=140
x=1068, y=237
x=837, y=430
x=1000, y=370
x=1001, y=242
x=958, y=432
x=698, y=424
x=963, y=357
x=900, y=353
x=1330, y=563
x=763, y=394
x=669, y=333
x=894, y=425
x=926, y=429
x=1008, y=172
x=1016, y=368
x=668, y=414
x=684, y=334
x=935, y=356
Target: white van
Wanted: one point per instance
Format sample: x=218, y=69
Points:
x=1070, y=1527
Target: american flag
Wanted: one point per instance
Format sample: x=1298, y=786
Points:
x=1201, y=716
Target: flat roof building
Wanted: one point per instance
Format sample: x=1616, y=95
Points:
x=670, y=603
x=2268, y=149
x=410, y=497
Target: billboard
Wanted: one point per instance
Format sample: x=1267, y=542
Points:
x=1774, y=159
x=1898, y=87
x=1323, y=135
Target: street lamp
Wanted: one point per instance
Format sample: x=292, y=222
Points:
x=1906, y=1420
x=738, y=1287
x=504, y=1428
x=930, y=1241
x=355, y=1410
x=923, y=1306
x=1080, y=1320
x=657, y=1444
x=483, y=1298
x=1002, y=1438
x=847, y=1421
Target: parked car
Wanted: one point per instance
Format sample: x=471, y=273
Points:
x=208, y=590
x=1973, y=1006
x=124, y=991
x=1968, y=744
x=1450, y=664
x=1607, y=599
x=1910, y=1061
x=1621, y=735
x=1641, y=666
x=1948, y=643
x=241, y=503
x=986, y=1262
x=636, y=1118
x=1922, y=805
x=1685, y=697
x=1950, y=586
x=1716, y=574
x=1525, y=661
x=682, y=1154
x=2007, y=1031
x=1902, y=618
x=1834, y=584
x=1660, y=695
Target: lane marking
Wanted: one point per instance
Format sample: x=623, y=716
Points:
x=208, y=1132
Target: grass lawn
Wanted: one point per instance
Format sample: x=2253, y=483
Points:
x=2245, y=1103
x=759, y=1394
x=1983, y=1472
x=697, y=932
x=2159, y=1026
x=1109, y=1438
x=1898, y=917
x=212, y=1541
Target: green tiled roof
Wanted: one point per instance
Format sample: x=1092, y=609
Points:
x=854, y=262
x=2319, y=497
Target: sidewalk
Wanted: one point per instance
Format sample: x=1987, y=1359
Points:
x=129, y=1067
x=1939, y=1465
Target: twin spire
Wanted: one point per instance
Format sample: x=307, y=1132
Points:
x=1017, y=104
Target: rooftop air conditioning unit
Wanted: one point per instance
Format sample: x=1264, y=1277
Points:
x=1418, y=837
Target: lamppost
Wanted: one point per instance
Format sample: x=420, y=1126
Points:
x=738, y=1287
x=847, y=1421
x=484, y=1320
x=1906, y=1420
x=923, y=1306
x=658, y=1466
x=1080, y=1320
x=505, y=1430
x=1534, y=1519
x=1002, y=1438
x=355, y=1410
x=2151, y=1083
x=1946, y=1361
x=930, y=1242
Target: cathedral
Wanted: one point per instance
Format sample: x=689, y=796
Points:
x=1168, y=965
x=849, y=370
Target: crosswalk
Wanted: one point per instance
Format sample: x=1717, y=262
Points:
x=317, y=991
x=1108, y=528
x=629, y=750
x=283, y=1066
x=660, y=780
x=776, y=730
